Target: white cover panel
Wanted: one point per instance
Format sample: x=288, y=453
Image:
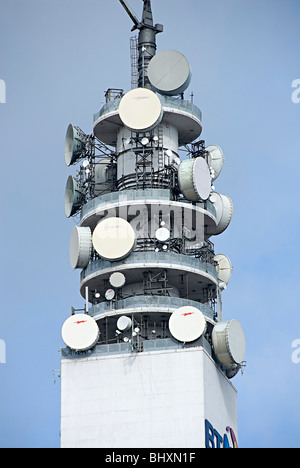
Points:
x=153, y=399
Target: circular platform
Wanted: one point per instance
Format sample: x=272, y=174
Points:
x=183, y=115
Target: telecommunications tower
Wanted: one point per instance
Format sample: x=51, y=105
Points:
x=149, y=358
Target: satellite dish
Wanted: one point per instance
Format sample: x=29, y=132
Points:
x=74, y=197
x=113, y=238
x=229, y=342
x=80, y=247
x=124, y=323
x=117, y=280
x=80, y=332
x=224, y=211
x=74, y=145
x=216, y=160
x=140, y=110
x=109, y=294
x=224, y=269
x=162, y=234
x=187, y=324
x=194, y=179
x=169, y=73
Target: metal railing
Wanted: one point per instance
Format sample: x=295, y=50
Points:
x=139, y=302
x=166, y=101
x=149, y=258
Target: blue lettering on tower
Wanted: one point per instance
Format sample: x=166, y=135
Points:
x=213, y=438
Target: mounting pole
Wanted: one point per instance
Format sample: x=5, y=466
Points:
x=146, y=41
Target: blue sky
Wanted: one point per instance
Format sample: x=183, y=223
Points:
x=57, y=58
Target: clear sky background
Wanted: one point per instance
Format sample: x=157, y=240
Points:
x=57, y=58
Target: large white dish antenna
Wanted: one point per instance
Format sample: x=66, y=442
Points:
x=194, y=179
x=224, y=211
x=80, y=247
x=224, y=268
x=140, y=110
x=74, y=197
x=187, y=324
x=80, y=332
x=124, y=323
x=169, y=72
x=229, y=342
x=216, y=160
x=113, y=238
x=117, y=279
x=74, y=145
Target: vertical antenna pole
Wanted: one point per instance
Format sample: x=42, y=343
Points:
x=86, y=299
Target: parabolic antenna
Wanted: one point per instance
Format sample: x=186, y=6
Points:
x=140, y=110
x=110, y=294
x=80, y=332
x=216, y=160
x=162, y=234
x=74, y=197
x=74, y=145
x=117, y=280
x=80, y=247
x=229, y=342
x=194, y=179
x=224, y=211
x=224, y=268
x=187, y=324
x=113, y=238
x=124, y=323
x=169, y=73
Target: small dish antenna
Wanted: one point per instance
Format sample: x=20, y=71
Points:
x=124, y=323
x=117, y=280
x=110, y=294
x=162, y=234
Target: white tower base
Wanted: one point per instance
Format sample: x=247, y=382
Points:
x=170, y=398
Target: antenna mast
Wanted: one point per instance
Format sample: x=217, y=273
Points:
x=146, y=40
